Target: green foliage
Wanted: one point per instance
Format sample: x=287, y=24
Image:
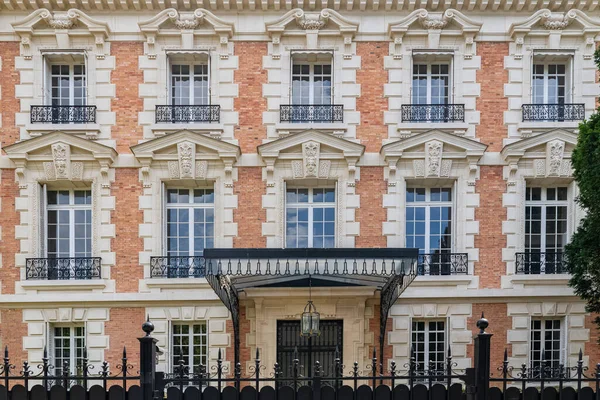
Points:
x=583, y=252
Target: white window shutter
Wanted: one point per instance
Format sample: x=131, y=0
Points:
x=43, y=227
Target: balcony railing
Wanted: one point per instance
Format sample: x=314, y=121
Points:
x=177, y=267
x=63, y=114
x=187, y=114
x=541, y=263
x=553, y=112
x=66, y=268
x=433, y=113
x=443, y=264
x=321, y=113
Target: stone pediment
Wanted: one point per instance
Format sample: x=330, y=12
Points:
x=187, y=155
x=186, y=25
x=61, y=25
x=298, y=19
x=61, y=156
x=550, y=154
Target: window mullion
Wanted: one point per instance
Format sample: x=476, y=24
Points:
x=311, y=84
x=543, y=228
x=427, y=229
x=191, y=236
x=191, y=94
x=310, y=218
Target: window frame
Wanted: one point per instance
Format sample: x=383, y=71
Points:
x=427, y=204
x=58, y=58
x=190, y=335
x=296, y=60
x=544, y=204
x=311, y=205
x=429, y=59
x=546, y=59
x=562, y=340
x=72, y=345
x=426, y=343
x=191, y=207
x=171, y=61
x=71, y=208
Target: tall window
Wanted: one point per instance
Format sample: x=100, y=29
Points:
x=68, y=84
x=190, y=221
x=68, y=347
x=69, y=223
x=431, y=83
x=546, y=343
x=545, y=219
x=311, y=83
x=549, y=83
x=190, y=344
x=429, y=343
x=189, y=84
x=429, y=219
x=310, y=218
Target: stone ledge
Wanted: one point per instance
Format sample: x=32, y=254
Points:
x=89, y=130
x=64, y=285
x=540, y=280
x=211, y=129
x=412, y=128
x=531, y=128
x=176, y=283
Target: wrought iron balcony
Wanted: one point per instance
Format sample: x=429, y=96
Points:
x=187, y=114
x=63, y=268
x=541, y=263
x=433, y=113
x=177, y=267
x=443, y=264
x=63, y=114
x=320, y=113
x=553, y=112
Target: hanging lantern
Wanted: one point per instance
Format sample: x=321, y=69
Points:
x=310, y=321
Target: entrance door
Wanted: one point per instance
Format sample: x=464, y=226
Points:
x=321, y=348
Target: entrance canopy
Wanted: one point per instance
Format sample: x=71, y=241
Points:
x=230, y=271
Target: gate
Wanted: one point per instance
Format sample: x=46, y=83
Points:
x=325, y=348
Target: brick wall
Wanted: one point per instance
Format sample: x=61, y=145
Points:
x=127, y=102
x=127, y=216
x=500, y=323
x=250, y=104
x=374, y=328
x=123, y=328
x=9, y=219
x=492, y=103
x=249, y=215
x=592, y=349
x=371, y=103
x=490, y=215
x=12, y=332
x=9, y=104
x=371, y=213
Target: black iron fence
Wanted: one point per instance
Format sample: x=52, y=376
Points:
x=311, y=113
x=535, y=263
x=433, y=113
x=63, y=268
x=177, y=267
x=188, y=114
x=443, y=264
x=553, y=112
x=439, y=380
x=63, y=114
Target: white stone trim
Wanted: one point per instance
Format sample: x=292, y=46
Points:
x=215, y=315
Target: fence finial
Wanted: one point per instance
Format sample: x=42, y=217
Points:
x=482, y=324
x=148, y=326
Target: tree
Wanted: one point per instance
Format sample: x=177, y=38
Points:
x=583, y=252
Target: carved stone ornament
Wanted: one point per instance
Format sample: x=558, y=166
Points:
x=173, y=167
x=60, y=21
x=419, y=168
x=187, y=153
x=539, y=167
x=429, y=21
x=324, y=168
x=201, y=169
x=77, y=171
x=186, y=21
x=557, y=21
x=61, y=153
x=446, y=168
x=433, y=157
x=310, y=154
x=311, y=21
x=554, y=156
x=297, y=169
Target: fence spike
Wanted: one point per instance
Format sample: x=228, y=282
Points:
x=580, y=354
x=505, y=354
x=6, y=351
x=219, y=357
x=124, y=352
x=45, y=354
x=449, y=351
x=85, y=353
x=257, y=354
x=374, y=353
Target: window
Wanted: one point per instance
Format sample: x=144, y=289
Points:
x=429, y=219
x=69, y=227
x=310, y=218
x=549, y=83
x=190, y=221
x=68, y=347
x=190, y=344
x=189, y=84
x=428, y=339
x=546, y=341
x=545, y=219
x=68, y=84
x=311, y=83
x=431, y=83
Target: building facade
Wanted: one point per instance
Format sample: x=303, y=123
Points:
x=137, y=134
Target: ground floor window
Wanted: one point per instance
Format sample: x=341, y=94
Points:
x=190, y=344
x=428, y=341
x=546, y=346
x=68, y=347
